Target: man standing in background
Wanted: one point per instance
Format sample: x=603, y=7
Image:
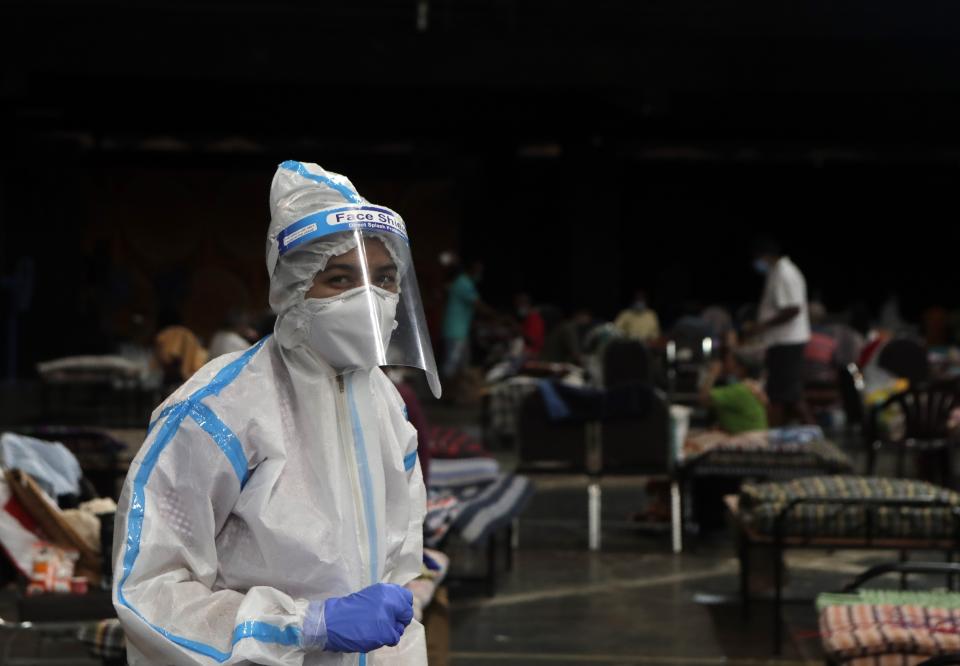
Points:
x=784, y=324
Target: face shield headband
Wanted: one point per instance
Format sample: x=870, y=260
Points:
x=356, y=217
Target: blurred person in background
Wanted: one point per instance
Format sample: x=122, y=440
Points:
x=177, y=351
x=463, y=300
x=565, y=343
x=638, y=322
x=784, y=327
x=531, y=325
x=741, y=404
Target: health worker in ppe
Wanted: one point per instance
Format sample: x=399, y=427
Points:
x=276, y=507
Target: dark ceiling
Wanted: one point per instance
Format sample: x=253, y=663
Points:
x=657, y=79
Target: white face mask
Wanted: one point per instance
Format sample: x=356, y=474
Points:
x=352, y=330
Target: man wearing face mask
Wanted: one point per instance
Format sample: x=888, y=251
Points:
x=784, y=324
x=638, y=322
x=276, y=507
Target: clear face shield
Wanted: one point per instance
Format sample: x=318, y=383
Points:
x=364, y=308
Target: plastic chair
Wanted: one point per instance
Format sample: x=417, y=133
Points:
x=926, y=411
x=905, y=358
x=625, y=362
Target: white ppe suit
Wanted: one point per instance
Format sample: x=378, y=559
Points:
x=268, y=481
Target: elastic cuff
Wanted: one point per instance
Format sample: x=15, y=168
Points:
x=315, y=627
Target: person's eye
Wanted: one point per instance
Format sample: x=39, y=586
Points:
x=387, y=280
x=339, y=281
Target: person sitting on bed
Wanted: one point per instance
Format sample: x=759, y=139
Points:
x=740, y=405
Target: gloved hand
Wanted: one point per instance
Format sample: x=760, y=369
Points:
x=360, y=622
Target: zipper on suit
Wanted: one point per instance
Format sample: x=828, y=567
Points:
x=346, y=430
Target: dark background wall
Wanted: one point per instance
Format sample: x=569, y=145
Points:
x=579, y=149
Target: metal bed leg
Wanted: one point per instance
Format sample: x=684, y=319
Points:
x=903, y=576
x=593, y=515
x=492, y=565
x=593, y=440
x=744, y=577
x=676, y=517
x=778, y=599
x=948, y=465
x=949, y=559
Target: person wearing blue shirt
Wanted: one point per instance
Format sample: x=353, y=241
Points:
x=462, y=299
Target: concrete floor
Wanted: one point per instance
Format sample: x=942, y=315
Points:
x=635, y=602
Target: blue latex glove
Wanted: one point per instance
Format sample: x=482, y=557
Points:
x=360, y=622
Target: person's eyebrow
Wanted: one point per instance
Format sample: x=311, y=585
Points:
x=343, y=267
x=386, y=267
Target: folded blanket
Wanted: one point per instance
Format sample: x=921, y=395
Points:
x=104, y=639
x=782, y=439
x=91, y=368
x=51, y=464
x=476, y=511
x=463, y=472
x=776, y=449
x=795, y=435
x=927, y=598
x=761, y=503
x=858, y=631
